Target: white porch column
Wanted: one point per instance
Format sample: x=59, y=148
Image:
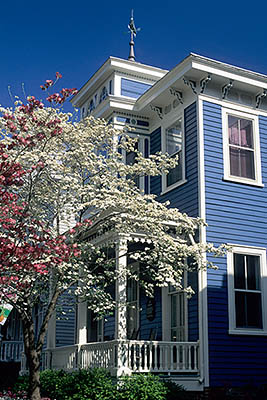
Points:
x=51, y=332
x=121, y=296
x=121, y=309
x=82, y=323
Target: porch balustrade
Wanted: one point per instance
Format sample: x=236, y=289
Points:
x=11, y=351
x=130, y=355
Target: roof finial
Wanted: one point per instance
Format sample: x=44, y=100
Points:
x=133, y=32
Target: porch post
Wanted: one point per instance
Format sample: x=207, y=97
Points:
x=82, y=323
x=121, y=309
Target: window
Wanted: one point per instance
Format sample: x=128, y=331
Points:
x=103, y=94
x=91, y=106
x=132, y=309
x=246, y=286
x=241, y=148
x=142, y=146
x=173, y=145
x=177, y=314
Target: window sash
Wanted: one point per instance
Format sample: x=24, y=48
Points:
x=247, y=291
x=174, y=146
x=241, y=147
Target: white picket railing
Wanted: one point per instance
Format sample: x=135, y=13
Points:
x=134, y=355
x=11, y=350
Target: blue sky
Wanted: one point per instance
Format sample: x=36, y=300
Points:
x=75, y=38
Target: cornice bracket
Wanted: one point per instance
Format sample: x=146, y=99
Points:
x=260, y=97
x=157, y=110
x=226, y=88
x=191, y=84
x=204, y=82
x=176, y=93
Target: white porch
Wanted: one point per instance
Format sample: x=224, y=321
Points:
x=11, y=350
x=140, y=337
x=128, y=356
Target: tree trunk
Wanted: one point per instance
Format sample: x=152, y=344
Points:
x=33, y=359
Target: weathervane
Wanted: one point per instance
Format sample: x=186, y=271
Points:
x=133, y=32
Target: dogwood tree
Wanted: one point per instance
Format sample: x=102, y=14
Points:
x=56, y=177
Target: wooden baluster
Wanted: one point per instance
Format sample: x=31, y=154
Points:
x=172, y=347
x=156, y=347
x=183, y=358
x=166, y=348
x=145, y=356
x=195, y=358
x=150, y=360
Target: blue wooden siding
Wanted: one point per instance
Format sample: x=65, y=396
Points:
x=236, y=213
x=149, y=327
x=184, y=197
x=109, y=327
x=133, y=89
x=66, y=322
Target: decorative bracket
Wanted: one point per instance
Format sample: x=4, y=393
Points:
x=177, y=94
x=191, y=84
x=204, y=82
x=226, y=88
x=260, y=97
x=158, y=110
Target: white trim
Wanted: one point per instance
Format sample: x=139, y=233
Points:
x=202, y=276
x=175, y=185
x=235, y=75
x=246, y=250
x=256, y=147
x=232, y=105
x=165, y=125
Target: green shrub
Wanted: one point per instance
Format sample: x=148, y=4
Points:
x=92, y=384
x=97, y=384
x=141, y=387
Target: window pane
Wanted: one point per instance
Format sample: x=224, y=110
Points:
x=239, y=271
x=233, y=130
x=253, y=272
x=173, y=311
x=254, y=314
x=240, y=309
x=174, y=138
x=175, y=174
x=246, y=133
x=242, y=163
x=234, y=162
x=247, y=164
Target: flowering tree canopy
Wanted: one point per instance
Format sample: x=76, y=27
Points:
x=56, y=178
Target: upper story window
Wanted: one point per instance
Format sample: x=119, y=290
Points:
x=141, y=146
x=91, y=106
x=173, y=144
x=103, y=94
x=246, y=288
x=241, y=147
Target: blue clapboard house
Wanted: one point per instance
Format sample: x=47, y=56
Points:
x=214, y=116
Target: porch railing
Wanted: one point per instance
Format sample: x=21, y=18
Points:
x=130, y=355
x=11, y=351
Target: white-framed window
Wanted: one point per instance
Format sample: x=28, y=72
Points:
x=142, y=146
x=241, y=147
x=173, y=144
x=177, y=300
x=246, y=267
x=132, y=292
x=174, y=313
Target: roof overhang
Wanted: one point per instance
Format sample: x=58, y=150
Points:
x=196, y=67
x=111, y=65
